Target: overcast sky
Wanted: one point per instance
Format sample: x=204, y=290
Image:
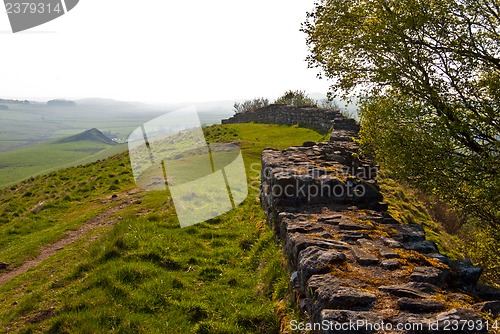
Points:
x=161, y=51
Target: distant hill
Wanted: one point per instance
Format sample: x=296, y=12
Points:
x=14, y=101
x=89, y=135
x=61, y=103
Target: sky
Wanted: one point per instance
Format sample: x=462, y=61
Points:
x=161, y=51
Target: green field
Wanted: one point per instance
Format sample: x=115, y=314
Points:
x=24, y=125
x=142, y=274
x=16, y=165
x=28, y=131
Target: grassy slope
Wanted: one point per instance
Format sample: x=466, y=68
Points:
x=476, y=242
x=16, y=165
x=144, y=274
x=405, y=206
x=24, y=125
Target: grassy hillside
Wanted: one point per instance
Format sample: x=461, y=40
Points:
x=88, y=135
x=19, y=164
x=131, y=269
x=25, y=125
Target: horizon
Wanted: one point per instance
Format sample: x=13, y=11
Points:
x=314, y=95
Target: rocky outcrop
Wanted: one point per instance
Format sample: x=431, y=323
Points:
x=310, y=117
x=351, y=261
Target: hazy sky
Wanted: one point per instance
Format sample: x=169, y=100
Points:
x=161, y=51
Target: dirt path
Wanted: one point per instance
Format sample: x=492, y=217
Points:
x=102, y=219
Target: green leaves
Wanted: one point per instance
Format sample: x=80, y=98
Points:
x=297, y=98
x=428, y=74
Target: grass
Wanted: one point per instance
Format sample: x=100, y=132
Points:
x=20, y=164
x=144, y=274
x=455, y=238
x=406, y=206
x=23, y=125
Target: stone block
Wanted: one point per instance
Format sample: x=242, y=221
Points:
x=429, y=275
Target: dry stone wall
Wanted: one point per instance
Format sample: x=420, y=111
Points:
x=311, y=117
x=351, y=261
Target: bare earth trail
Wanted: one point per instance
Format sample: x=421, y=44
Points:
x=102, y=219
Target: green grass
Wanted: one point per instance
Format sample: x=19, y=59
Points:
x=406, y=207
x=144, y=274
x=24, y=125
x=455, y=239
x=16, y=165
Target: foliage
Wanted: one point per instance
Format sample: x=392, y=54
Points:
x=428, y=74
x=331, y=104
x=250, y=105
x=297, y=98
x=328, y=104
x=482, y=246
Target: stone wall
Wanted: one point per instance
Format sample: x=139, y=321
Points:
x=351, y=261
x=311, y=117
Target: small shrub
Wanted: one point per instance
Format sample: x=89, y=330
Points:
x=297, y=98
x=250, y=105
x=328, y=104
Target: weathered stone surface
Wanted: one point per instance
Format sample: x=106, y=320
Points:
x=414, y=323
x=422, y=287
x=388, y=253
x=391, y=242
x=294, y=226
x=368, y=244
x=486, y=292
x=330, y=219
x=297, y=242
x=348, y=236
x=364, y=258
x=390, y=264
x=410, y=233
x=352, y=226
x=381, y=206
x=463, y=274
x=348, y=322
x=402, y=291
x=491, y=307
x=342, y=123
x=344, y=298
x=309, y=144
x=420, y=305
x=342, y=135
x=314, y=260
x=388, y=219
x=440, y=257
x=317, y=281
x=460, y=316
x=430, y=275
x=424, y=247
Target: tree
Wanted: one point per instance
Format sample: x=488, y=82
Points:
x=250, y=105
x=428, y=75
x=297, y=98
